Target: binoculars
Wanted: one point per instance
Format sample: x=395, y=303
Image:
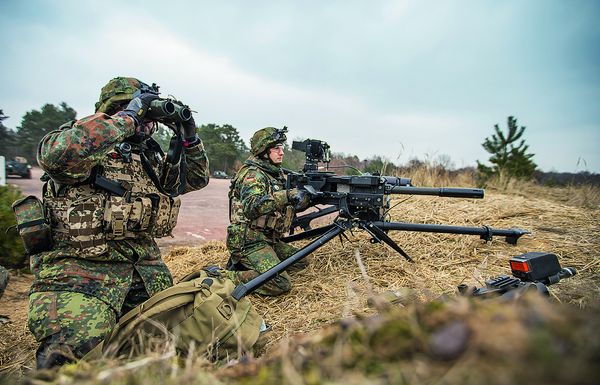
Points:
x=168, y=111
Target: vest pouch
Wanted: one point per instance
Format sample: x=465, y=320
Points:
x=85, y=219
x=140, y=215
x=32, y=224
x=161, y=213
x=175, y=205
x=116, y=216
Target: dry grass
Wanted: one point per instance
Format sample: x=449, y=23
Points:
x=342, y=276
x=433, y=175
x=17, y=345
x=333, y=287
x=587, y=196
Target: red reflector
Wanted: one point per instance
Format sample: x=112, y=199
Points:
x=519, y=266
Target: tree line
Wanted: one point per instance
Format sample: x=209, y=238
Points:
x=509, y=154
x=224, y=146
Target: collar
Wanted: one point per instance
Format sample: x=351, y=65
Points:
x=266, y=166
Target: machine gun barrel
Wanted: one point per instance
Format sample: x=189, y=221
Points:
x=449, y=192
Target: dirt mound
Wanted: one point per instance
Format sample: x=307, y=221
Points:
x=458, y=342
x=463, y=341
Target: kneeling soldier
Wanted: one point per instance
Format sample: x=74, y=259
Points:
x=109, y=192
x=261, y=211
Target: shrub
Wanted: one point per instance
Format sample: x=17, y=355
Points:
x=12, y=252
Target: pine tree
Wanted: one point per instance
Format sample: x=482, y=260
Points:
x=35, y=124
x=509, y=159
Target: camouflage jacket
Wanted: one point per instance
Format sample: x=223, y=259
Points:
x=100, y=238
x=258, y=199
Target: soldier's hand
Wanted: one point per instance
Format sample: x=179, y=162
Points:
x=138, y=106
x=300, y=198
x=189, y=129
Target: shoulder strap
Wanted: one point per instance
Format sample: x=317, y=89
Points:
x=241, y=174
x=172, y=291
x=175, y=154
x=67, y=125
x=153, y=177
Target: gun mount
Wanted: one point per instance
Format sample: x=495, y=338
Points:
x=361, y=202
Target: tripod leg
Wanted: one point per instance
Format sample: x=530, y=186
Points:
x=248, y=287
x=380, y=235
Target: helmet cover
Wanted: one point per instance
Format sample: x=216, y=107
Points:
x=266, y=138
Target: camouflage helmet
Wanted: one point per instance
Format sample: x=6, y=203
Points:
x=266, y=138
x=116, y=92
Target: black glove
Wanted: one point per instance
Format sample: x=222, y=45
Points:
x=138, y=106
x=300, y=198
x=189, y=129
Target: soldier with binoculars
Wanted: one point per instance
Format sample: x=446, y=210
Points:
x=109, y=191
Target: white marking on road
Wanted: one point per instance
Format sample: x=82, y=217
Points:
x=195, y=235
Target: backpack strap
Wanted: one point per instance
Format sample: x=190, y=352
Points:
x=174, y=290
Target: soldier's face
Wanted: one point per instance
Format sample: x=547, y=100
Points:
x=276, y=154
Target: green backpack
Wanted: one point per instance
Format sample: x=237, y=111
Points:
x=198, y=311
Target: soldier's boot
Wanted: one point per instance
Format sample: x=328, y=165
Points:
x=50, y=355
x=299, y=265
x=279, y=285
x=237, y=276
x=284, y=251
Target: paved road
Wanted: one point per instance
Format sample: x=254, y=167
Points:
x=203, y=215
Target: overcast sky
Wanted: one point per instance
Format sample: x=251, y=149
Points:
x=400, y=79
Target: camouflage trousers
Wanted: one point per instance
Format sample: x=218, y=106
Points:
x=69, y=324
x=260, y=257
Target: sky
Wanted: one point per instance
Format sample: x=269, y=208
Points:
x=400, y=79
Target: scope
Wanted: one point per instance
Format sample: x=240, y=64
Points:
x=315, y=150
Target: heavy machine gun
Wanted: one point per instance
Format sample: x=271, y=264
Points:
x=360, y=202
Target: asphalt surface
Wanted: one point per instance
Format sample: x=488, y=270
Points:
x=203, y=215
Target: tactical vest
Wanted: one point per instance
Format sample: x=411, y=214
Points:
x=276, y=222
x=85, y=217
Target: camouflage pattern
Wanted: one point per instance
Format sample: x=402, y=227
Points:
x=104, y=250
x=71, y=322
x=264, y=139
x=259, y=257
x=116, y=92
x=260, y=214
x=33, y=229
x=3, y=280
